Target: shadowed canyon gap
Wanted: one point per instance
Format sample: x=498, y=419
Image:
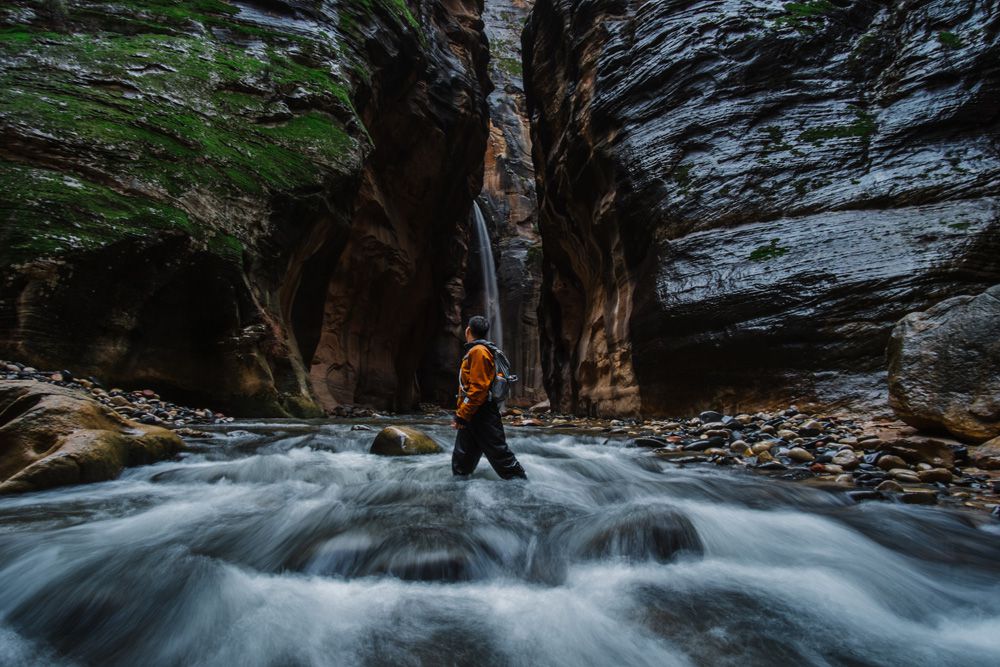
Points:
x=508, y=197
x=264, y=205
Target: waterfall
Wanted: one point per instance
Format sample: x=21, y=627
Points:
x=491, y=292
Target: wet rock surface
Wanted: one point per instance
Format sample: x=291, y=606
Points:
x=53, y=436
x=403, y=441
x=201, y=185
x=944, y=367
x=739, y=200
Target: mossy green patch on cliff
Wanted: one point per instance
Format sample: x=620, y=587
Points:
x=861, y=128
x=398, y=8
x=804, y=16
x=767, y=252
x=512, y=66
x=169, y=122
x=45, y=212
x=682, y=175
x=950, y=40
x=23, y=34
x=775, y=142
x=168, y=110
x=808, y=9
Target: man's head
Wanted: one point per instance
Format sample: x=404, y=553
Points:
x=478, y=327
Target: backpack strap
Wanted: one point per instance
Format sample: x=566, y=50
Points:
x=493, y=354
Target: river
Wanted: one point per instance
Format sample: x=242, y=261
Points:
x=285, y=543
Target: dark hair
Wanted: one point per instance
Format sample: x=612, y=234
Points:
x=479, y=326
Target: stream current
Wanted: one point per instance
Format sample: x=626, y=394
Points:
x=286, y=543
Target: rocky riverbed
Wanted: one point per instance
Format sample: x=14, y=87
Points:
x=875, y=458
x=144, y=405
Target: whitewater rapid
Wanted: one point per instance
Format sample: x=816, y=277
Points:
x=285, y=543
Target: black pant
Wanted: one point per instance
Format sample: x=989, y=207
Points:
x=484, y=435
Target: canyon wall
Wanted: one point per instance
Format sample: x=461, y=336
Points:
x=257, y=204
x=509, y=203
x=739, y=199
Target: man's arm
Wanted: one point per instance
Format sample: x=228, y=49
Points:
x=481, y=372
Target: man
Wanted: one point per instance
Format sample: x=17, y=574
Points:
x=477, y=419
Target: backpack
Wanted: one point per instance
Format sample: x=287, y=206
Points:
x=500, y=388
x=503, y=378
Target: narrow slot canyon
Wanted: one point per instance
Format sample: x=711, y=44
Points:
x=743, y=255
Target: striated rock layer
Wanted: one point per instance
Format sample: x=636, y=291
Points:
x=739, y=199
x=259, y=204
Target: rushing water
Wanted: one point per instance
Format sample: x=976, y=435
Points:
x=287, y=544
x=491, y=292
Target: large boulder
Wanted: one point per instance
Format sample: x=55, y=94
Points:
x=987, y=455
x=403, y=441
x=52, y=436
x=944, y=367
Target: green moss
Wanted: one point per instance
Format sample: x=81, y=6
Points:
x=180, y=118
x=961, y=226
x=227, y=245
x=23, y=34
x=511, y=66
x=804, y=15
x=809, y=9
x=404, y=10
x=950, y=40
x=54, y=213
x=862, y=128
x=768, y=252
x=287, y=70
x=682, y=175
x=775, y=141
x=397, y=8
x=179, y=123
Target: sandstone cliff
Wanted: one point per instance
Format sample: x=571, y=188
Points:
x=739, y=199
x=259, y=204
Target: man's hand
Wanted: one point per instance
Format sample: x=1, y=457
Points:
x=457, y=425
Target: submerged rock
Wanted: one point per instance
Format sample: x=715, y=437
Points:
x=919, y=496
x=52, y=436
x=944, y=367
x=403, y=441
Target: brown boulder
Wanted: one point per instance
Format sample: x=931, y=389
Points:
x=403, y=441
x=944, y=367
x=52, y=436
x=919, y=449
x=986, y=455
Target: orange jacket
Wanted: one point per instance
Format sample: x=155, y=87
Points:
x=475, y=378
